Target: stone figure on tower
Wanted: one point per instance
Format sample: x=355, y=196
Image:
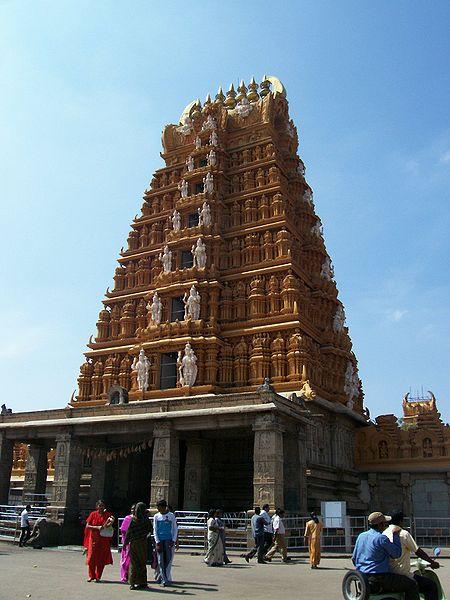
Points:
x=141, y=365
x=192, y=304
x=214, y=139
x=198, y=143
x=184, y=188
x=155, y=308
x=198, y=251
x=204, y=215
x=244, y=108
x=210, y=123
x=339, y=319
x=317, y=228
x=211, y=158
x=187, y=366
x=208, y=183
x=176, y=220
x=166, y=259
x=190, y=163
x=351, y=386
x=327, y=271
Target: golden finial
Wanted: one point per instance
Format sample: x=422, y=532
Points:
x=220, y=97
x=208, y=100
x=265, y=87
x=242, y=91
x=252, y=93
x=230, y=101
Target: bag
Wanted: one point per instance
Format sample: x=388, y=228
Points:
x=107, y=532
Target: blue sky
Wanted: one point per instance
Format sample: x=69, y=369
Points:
x=86, y=90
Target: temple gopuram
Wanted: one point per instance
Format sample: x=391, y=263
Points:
x=221, y=372
x=406, y=463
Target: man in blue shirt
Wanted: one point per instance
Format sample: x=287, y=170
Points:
x=371, y=556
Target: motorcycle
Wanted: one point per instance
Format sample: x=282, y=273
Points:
x=355, y=585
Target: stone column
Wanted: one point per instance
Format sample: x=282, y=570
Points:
x=196, y=475
x=165, y=466
x=66, y=485
x=291, y=472
x=405, y=482
x=35, y=480
x=6, y=463
x=303, y=461
x=268, y=461
x=98, y=477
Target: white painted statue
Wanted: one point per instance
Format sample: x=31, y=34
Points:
x=155, y=308
x=208, y=183
x=190, y=163
x=166, y=259
x=210, y=123
x=351, y=386
x=141, y=365
x=204, y=215
x=214, y=139
x=199, y=254
x=211, y=158
x=187, y=366
x=317, y=228
x=186, y=127
x=307, y=197
x=184, y=188
x=192, y=304
x=327, y=271
x=176, y=220
x=198, y=143
x=339, y=319
x=244, y=108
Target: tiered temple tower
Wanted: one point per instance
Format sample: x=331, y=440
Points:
x=227, y=256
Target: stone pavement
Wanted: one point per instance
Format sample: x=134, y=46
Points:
x=61, y=575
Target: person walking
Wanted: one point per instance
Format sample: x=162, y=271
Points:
x=165, y=530
x=221, y=525
x=402, y=565
x=125, y=553
x=214, y=554
x=268, y=531
x=25, y=529
x=97, y=541
x=313, y=532
x=136, y=538
x=257, y=525
x=279, y=543
x=372, y=553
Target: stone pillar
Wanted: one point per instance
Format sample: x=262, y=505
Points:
x=98, y=476
x=66, y=485
x=291, y=472
x=405, y=482
x=6, y=463
x=165, y=466
x=268, y=461
x=303, y=461
x=196, y=475
x=35, y=480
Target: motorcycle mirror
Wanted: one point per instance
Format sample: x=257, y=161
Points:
x=437, y=551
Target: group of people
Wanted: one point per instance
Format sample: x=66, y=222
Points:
x=269, y=535
x=383, y=555
x=143, y=541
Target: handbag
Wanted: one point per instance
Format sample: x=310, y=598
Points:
x=107, y=532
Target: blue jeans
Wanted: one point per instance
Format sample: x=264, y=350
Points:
x=165, y=556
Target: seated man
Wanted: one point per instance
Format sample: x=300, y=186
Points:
x=371, y=556
x=402, y=565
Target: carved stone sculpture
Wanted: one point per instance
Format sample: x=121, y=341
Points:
x=211, y=158
x=317, y=228
x=166, y=259
x=204, y=215
x=176, y=220
x=307, y=197
x=208, y=183
x=187, y=366
x=351, y=386
x=184, y=188
x=190, y=163
x=186, y=127
x=244, y=108
x=198, y=143
x=339, y=319
x=198, y=251
x=192, y=304
x=210, y=123
x=141, y=365
x=155, y=308
x=214, y=139
x=327, y=271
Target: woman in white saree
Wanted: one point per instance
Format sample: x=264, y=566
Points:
x=214, y=555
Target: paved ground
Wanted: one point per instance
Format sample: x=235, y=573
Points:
x=61, y=575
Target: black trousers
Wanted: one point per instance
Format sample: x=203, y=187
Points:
x=268, y=539
x=391, y=582
x=427, y=587
x=259, y=548
x=25, y=533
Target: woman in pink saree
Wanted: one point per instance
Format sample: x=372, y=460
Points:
x=125, y=555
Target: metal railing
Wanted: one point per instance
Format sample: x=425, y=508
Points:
x=10, y=519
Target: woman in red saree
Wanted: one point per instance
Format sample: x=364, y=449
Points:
x=98, y=547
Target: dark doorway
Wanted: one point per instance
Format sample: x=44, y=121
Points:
x=187, y=259
x=193, y=219
x=177, y=309
x=168, y=376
